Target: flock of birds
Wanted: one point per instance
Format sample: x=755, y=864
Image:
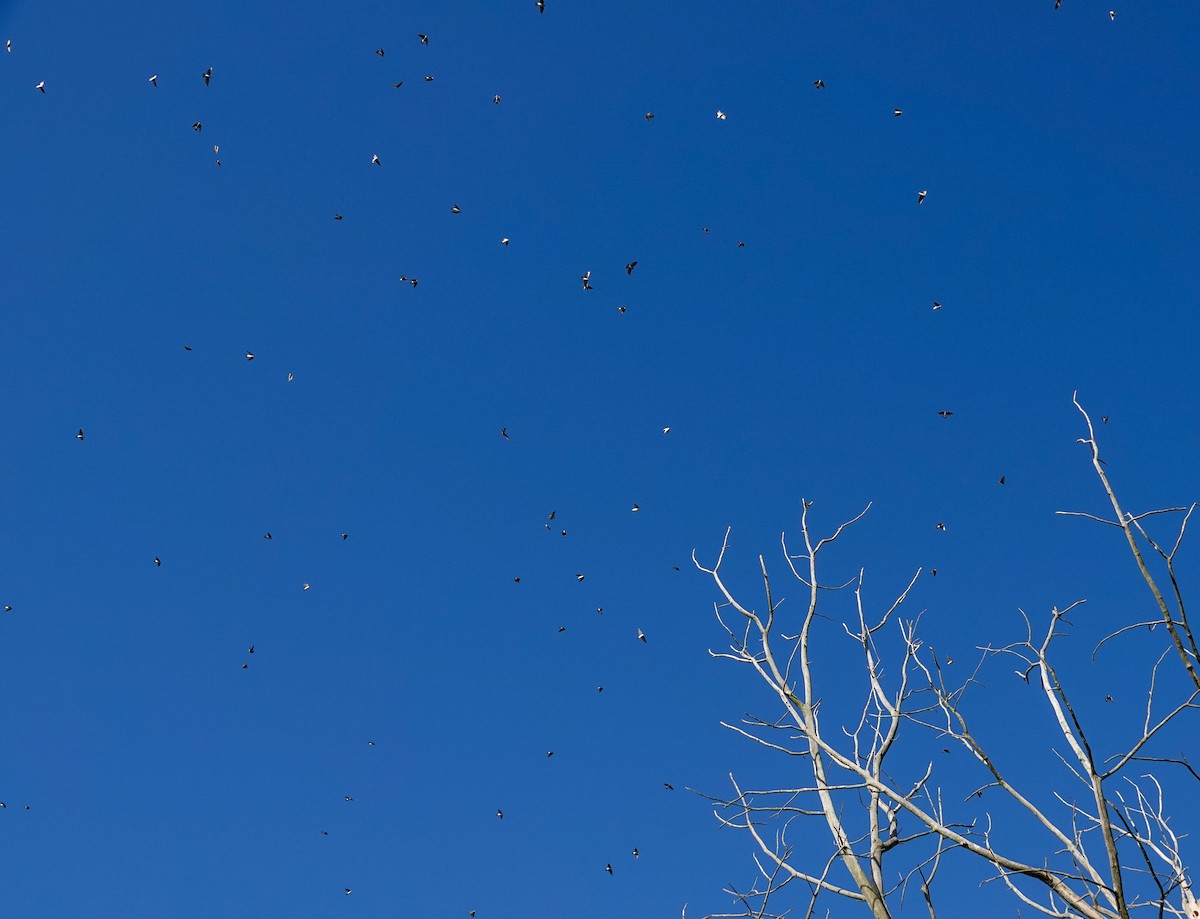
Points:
x=207, y=76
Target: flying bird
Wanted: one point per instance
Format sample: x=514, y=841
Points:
x=541, y=5
x=552, y=515
x=635, y=508
x=345, y=536
x=936, y=305
x=153, y=81
x=348, y=891
x=504, y=241
x=819, y=84
x=549, y=753
x=379, y=51
x=586, y=277
x=375, y=160
x=8, y=46
x=1001, y=480
x=397, y=85
x=250, y=650
x=41, y=86
x=1112, y=15
x=207, y=76
x=504, y=433
x=941, y=526
x=1057, y=3
x=455, y=209
x=642, y=636
x=621, y=310
x=348, y=798
x=666, y=430
x=921, y=196
x=249, y=355
x=305, y=586
x=79, y=436
x=424, y=39
x=429, y=79
x=635, y=852
x=500, y=813
x=516, y=580
x=721, y=116
x=629, y=268
x=668, y=786
x=157, y=562
x=896, y=113
x=705, y=230
x=196, y=125
x=608, y=868
x=268, y=535
x=496, y=99
x=578, y=577
x=945, y=414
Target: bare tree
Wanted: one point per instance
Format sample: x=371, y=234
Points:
x=869, y=818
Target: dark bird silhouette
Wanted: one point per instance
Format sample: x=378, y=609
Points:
x=424, y=39
x=649, y=116
x=578, y=577
x=429, y=79
x=541, y=5
x=668, y=786
x=197, y=126
x=941, y=526
x=896, y=113
x=629, y=268
x=207, y=76
x=819, y=84
x=249, y=355
x=375, y=161
x=586, y=277
x=608, y=868
x=516, y=580
x=41, y=86
x=921, y=196
x=379, y=51
x=267, y=536
x=945, y=414
x=635, y=852
x=250, y=650
x=504, y=433
x=642, y=635
x=345, y=536
x=79, y=436
x=157, y=562
x=1001, y=480
x=153, y=81
x=500, y=813
x=337, y=217
x=455, y=209
x=496, y=99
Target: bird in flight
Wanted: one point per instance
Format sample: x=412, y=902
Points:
x=379, y=51
x=668, y=786
x=721, y=116
x=896, y=113
x=375, y=160
x=504, y=241
x=455, y=209
x=649, y=116
x=207, y=76
x=921, y=196
x=268, y=535
x=580, y=576
x=819, y=84
x=504, y=433
x=945, y=414
x=348, y=891
x=629, y=268
x=157, y=562
x=621, y=310
x=249, y=355
x=41, y=86
x=666, y=430
x=608, y=868
x=424, y=39
x=642, y=636
x=936, y=305
x=1001, y=480
x=500, y=813
x=635, y=852
x=496, y=99
x=8, y=46
x=941, y=526
x=196, y=125
x=635, y=508
x=429, y=79
x=586, y=277
x=153, y=81
x=79, y=436
x=541, y=5
x=345, y=536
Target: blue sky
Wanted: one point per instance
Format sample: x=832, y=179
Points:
x=1058, y=149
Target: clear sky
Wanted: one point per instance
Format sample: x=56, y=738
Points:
x=169, y=772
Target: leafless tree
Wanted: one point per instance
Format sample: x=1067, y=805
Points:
x=869, y=816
